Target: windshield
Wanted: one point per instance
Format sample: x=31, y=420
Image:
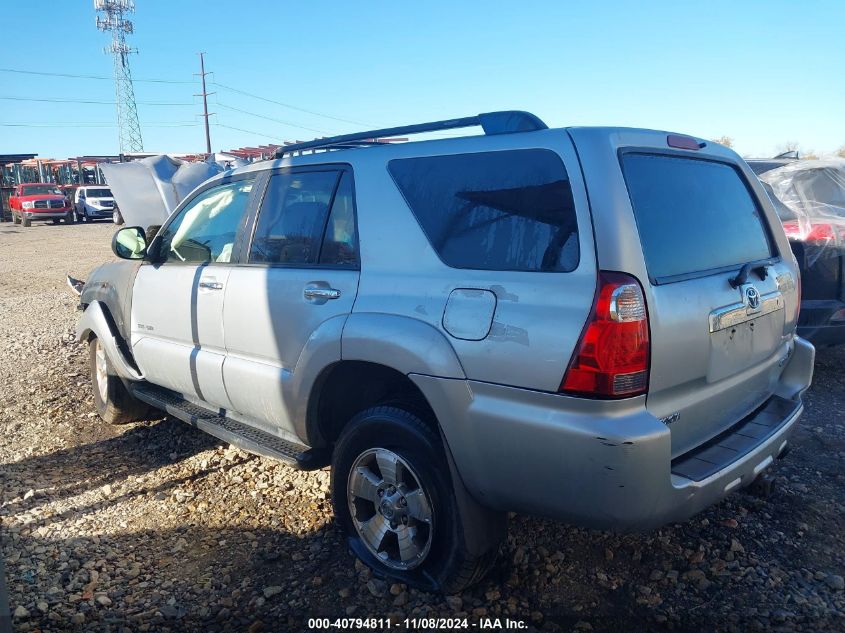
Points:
x=99, y=193
x=41, y=190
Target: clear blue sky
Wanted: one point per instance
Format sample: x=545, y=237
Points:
x=763, y=73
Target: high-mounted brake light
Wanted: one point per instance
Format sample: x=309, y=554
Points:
x=683, y=142
x=612, y=357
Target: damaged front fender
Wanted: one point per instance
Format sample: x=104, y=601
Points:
x=96, y=321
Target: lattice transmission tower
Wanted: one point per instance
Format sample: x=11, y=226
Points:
x=114, y=21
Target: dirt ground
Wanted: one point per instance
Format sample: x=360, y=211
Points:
x=156, y=526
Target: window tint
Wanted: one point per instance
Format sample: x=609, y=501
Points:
x=693, y=215
x=510, y=210
x=205, y=229
x=340, y=242
x=292, y=218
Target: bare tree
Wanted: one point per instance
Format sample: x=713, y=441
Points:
x=841, y=152
x=727, y=141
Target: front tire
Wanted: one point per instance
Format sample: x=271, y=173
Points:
x=393, y=496
x=16, y=219
x=25, y=221
x=116, y=217
x=69, y=218
x=112, y=399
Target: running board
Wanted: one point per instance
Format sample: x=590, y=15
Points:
x=236, y=433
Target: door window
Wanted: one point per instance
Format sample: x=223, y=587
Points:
x=205, y=230
x=293, y=218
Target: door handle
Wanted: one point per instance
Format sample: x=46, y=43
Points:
x=322, y=293
x=211, y=285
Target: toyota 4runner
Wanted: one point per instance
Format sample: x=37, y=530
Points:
x=591, y=324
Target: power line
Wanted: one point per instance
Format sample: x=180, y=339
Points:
x=268, y=118
x=215, y=83
x=90, y=101
x=94, y=125
x=72, y=76
x=287, y=105
x=237, y=129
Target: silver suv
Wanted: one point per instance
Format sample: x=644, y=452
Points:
x=591, y=324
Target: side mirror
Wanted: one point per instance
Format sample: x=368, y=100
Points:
x=130, y=243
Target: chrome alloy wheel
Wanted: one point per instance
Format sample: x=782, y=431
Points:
x=102, y=373
x=390, y=510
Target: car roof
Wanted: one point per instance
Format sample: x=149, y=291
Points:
x=472, y=142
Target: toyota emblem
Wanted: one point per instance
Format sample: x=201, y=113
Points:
x=753, y=296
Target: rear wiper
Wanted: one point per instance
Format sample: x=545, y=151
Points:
x=742, y=276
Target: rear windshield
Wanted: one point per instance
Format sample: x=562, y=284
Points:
x=693, y=215
x=507, y=210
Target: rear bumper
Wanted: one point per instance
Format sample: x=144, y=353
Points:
x=594, y=463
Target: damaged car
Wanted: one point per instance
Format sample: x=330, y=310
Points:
x=596, y=325
x=809, y=196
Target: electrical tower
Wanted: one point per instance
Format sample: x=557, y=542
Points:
x=113, y=20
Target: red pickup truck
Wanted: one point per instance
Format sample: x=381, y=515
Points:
x=39, y=201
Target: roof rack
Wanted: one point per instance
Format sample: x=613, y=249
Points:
x=504, y=122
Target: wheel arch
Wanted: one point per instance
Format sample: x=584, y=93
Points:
x=348, y=387
x=98, y=321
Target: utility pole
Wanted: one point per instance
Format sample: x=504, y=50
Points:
x=115, y=22
x=204, y=95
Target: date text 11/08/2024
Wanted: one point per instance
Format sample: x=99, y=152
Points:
x=415, y=624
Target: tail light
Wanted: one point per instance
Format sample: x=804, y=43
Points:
x=612, y=357
x=811, y=233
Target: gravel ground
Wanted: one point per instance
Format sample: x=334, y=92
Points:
x=156, y=526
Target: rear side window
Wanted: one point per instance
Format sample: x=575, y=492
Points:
x=508, y=210
x=693, y=215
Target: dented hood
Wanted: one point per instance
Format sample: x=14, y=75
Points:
x=148, y=190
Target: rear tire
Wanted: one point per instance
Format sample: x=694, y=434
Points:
x=112, y=399
x=383, y=510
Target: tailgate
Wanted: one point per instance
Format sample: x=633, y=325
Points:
x=690, y=221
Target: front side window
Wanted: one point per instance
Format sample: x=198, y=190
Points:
x=293, y=217
x=508, y=210
x=206, y=228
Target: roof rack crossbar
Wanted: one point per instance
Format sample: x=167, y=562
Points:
x=504, y=122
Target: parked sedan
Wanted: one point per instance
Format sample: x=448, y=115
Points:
x=809, y=196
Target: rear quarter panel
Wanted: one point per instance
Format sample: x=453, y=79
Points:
x=538, y=316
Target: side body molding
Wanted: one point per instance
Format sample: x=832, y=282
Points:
x=403, y=343
x=95, y=321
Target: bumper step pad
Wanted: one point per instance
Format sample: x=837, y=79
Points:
x=236, y=433
x=739, y=440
